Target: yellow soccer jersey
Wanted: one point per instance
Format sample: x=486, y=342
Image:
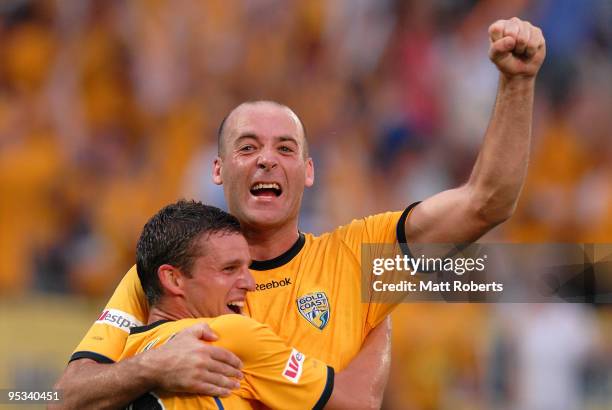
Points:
x=127, y=308
x=310, y=296
x=275, y=375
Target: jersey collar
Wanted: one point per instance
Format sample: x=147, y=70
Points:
x=141, y=329
x=283, y=258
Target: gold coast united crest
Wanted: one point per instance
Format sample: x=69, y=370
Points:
x=314, y=307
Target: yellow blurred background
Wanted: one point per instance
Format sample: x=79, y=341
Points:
x=109, y=110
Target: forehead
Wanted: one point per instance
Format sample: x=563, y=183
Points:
x=263, y=120
x=224, y=246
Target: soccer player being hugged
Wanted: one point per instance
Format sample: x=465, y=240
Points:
x=192, y=262
x=264, y=166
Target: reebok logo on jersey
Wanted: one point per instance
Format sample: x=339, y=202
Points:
x=273, y=284
x=294, y=366
x=118, y=319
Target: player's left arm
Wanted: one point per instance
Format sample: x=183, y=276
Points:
x=361, y=385
x=490, y=196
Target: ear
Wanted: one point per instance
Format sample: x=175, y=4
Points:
x=309, y=181
x=216, y=171
x=171, y=280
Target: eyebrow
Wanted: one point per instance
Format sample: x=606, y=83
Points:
x=287, y=139
x=234, y=262
x=245, y=136
x=250, y=135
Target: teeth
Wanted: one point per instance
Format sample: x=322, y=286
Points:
x=238, y=303
x=266, y=186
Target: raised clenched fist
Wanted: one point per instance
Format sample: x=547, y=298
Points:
x=516, y=47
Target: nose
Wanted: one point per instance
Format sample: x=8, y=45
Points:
x=266, y=160
x=246, y=281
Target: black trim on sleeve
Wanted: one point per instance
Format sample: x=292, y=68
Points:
x=401, y=230
x=142, y=329
x=327, y=391
x=90, y=355
x=282, y=259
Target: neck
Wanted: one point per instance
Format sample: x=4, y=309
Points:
x=265, y=244
x=168, y=311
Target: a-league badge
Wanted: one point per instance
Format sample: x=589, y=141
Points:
x=314, y=307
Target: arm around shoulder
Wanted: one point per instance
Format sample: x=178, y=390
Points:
x=185, y=364
x=87, y=383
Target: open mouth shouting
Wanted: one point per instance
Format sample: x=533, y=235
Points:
x=236, y=306
x=266, y=189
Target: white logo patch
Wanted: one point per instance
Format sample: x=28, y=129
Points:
x=294, y=366
x=118, y=319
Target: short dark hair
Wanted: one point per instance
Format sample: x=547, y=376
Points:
x=171, y=236
x=221, y=129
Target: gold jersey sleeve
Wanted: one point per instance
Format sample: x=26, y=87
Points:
x=127, y=307
x=381, y=234
x=276, y=375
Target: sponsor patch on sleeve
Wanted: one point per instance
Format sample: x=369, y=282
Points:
x=294, y=366
x=118, y=319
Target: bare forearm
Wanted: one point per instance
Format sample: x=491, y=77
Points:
x=183, y=365
x=87, y=384
x=501, y=167
x=464, y=214
x=362, y=384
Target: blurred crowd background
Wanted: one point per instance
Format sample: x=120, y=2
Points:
x=109, y=110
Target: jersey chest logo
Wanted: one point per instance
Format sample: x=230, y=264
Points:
x=314, y=307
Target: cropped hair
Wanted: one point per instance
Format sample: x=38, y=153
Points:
x=171, y=237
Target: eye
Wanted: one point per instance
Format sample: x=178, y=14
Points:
x=230, y=269
x=246, y=148
x=285, y=149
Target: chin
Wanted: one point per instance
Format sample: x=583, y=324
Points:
x=265, y=218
